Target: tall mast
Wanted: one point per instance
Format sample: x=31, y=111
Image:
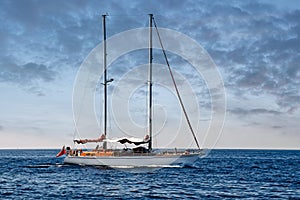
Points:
x=150, y=84
x=105, y=80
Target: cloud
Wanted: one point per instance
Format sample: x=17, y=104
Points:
x=25, y=74
x=29, y=76
x=39, y=41
x=255, y=44
x=277, y=127
x=255, y=111
x=257, y=47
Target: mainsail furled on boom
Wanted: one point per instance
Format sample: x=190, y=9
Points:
x=83, y=141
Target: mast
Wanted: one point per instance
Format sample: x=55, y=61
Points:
x=105, y=80
x=150, y=84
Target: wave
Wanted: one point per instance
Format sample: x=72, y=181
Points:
x=44, y=165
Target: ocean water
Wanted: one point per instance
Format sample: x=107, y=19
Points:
x=232, y=174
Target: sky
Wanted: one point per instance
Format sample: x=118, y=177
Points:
x=255, y=45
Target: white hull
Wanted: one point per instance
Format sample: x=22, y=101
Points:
x=136, y=161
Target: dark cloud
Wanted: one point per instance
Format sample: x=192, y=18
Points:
x=39, y=40
x=258, y=47
x=256, y=111
x=25, y=74
x=277, y=127
x=22, y=13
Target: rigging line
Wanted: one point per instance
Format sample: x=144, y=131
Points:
x=174, y=83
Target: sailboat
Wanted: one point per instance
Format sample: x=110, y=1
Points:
x=143, y=155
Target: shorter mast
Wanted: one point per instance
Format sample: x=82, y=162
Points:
x=150, y=84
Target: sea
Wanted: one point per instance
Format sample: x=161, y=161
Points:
x=223, y=174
